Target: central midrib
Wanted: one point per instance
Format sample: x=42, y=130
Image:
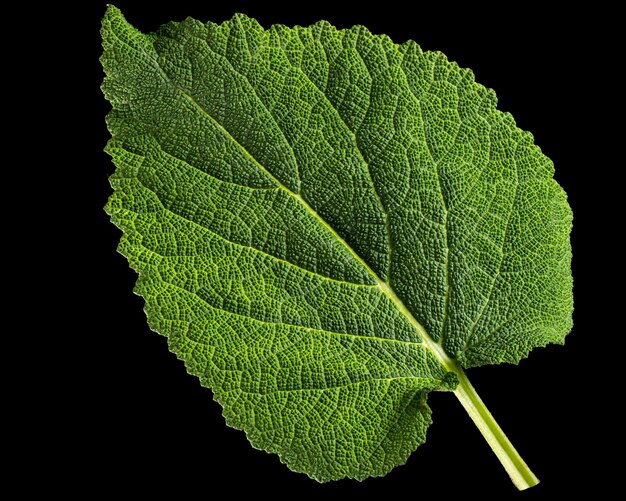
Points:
x=435, y=348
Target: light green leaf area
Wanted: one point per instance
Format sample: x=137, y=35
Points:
x=327, y=226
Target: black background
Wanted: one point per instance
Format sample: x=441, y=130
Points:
x=146, y=426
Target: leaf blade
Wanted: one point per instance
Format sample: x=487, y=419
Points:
x=234, y=228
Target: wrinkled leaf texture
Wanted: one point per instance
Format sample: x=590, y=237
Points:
x=302, y=204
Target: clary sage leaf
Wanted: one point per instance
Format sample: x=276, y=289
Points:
x=327, y=226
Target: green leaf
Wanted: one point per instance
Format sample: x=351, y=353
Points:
x=327, y=226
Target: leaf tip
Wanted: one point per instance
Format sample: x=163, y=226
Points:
x=111, y=13
x=114, y=21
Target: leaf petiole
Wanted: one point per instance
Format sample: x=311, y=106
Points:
x=515, y=466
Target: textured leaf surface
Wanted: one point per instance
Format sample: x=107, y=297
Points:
x=310, y=210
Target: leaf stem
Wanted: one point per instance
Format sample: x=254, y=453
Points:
x=518, y=470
